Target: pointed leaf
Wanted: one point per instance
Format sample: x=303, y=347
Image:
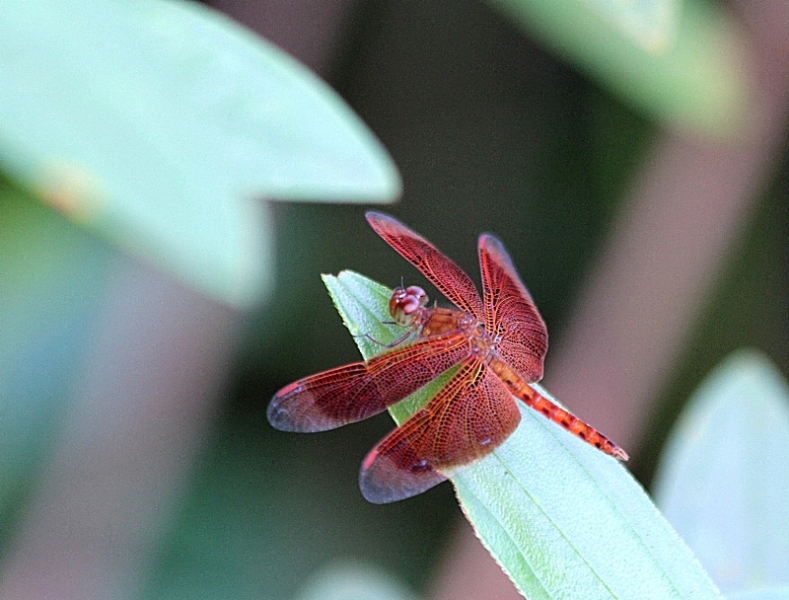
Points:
x=562, y=519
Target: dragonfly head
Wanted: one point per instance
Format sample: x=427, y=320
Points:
x=405, y=303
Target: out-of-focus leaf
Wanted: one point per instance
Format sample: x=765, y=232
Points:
x=52, y=280
x=689, y=68
x=561, y=518
x=350, y=581
x=766, y=593
x=161, y=124
x=650, y=24
x=723, y=481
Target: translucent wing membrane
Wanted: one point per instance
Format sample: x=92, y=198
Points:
x=360, y=390
x=469, y=418
x=510, y=313
x=449, y=278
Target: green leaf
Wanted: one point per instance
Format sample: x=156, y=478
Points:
x=724, y=480
x=161, y=124
x=686, y=67
x=562, y=519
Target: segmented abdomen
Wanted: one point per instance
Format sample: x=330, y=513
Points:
x=524, y=392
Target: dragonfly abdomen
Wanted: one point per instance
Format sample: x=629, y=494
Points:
x=528, y=395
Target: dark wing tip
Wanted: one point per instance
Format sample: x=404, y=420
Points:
x=289, y=411
x=382, y=479
x=395, y=234
x=376, y=219
x=278, y=415
x=493, y=245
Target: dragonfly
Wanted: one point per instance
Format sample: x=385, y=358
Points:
x=496, y=344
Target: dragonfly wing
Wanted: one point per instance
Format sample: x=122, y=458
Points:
x=360, y=390
x=510, y=313
x=468, y=419
x=442, y=272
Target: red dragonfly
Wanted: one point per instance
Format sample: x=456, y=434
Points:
x=497, y=342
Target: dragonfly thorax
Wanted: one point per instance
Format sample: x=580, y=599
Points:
x=482, y=344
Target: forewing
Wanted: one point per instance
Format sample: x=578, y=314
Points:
x=354, y=392
x=510, y=313
x=468, y=419
x=443, y=273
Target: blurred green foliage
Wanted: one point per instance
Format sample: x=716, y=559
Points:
x=682, y=62
x=162, y=125
x=490, y=132
x=51, y=286
x=721, y=481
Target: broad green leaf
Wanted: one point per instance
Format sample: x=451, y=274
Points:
x=723, y=481
x=161, y=124
x=562, y=519
x=688, y=68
